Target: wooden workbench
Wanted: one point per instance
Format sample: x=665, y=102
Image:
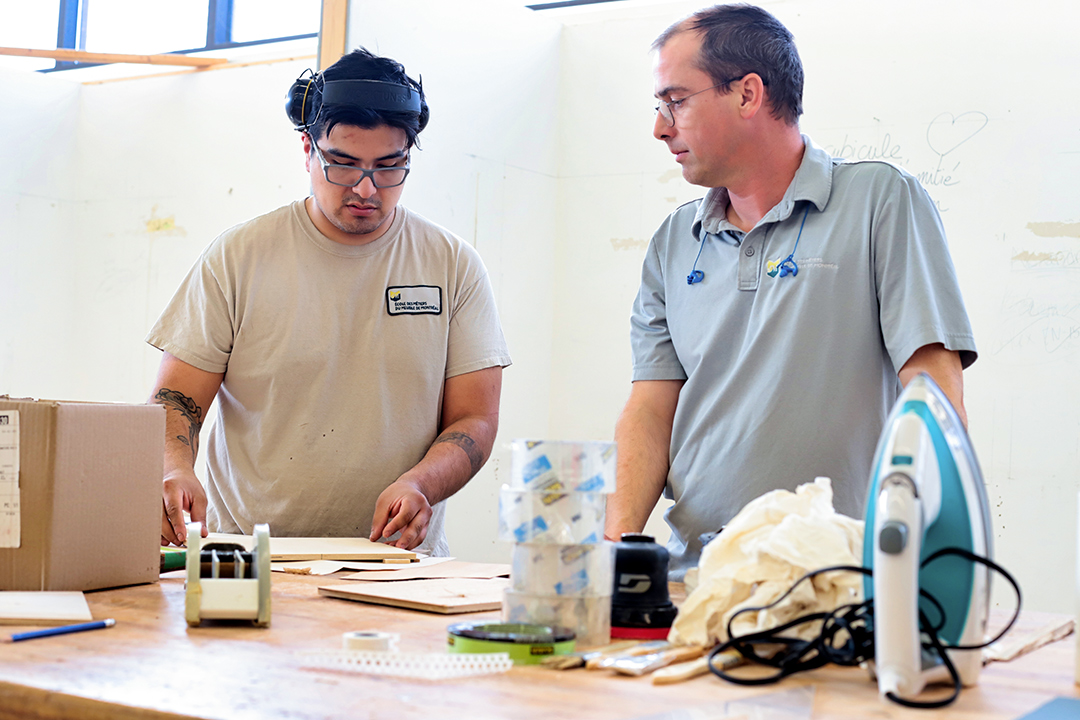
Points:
x=151, y=665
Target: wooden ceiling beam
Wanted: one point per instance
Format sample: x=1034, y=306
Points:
x=106, y=58
x=332, y=31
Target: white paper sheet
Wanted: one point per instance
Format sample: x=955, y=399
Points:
x=10, y=514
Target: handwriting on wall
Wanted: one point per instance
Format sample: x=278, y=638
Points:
x=945, y=134
x=1040, y=313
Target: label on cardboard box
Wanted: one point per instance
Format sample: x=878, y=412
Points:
x=9, y=479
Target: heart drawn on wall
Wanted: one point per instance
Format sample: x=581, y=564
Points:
x=948, y=132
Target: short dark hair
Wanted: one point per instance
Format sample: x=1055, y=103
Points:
x=362, y=64
x=741, y=39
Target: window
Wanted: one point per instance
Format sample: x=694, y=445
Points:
x=257, y=19
x=144, y=27
x=28, y=24
x=147, y=27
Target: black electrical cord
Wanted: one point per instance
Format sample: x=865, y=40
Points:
x=852, y=627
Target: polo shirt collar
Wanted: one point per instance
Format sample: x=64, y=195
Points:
x=812, y=182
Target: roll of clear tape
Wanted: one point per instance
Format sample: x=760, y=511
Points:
x=588, y=616
x=369, y=640
x=578, y=466
x=579, y=570
x=553, y=516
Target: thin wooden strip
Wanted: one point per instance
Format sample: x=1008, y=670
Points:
x=107, y=58
x=688, y=670
x=332, y=32
x=227, y=66
x=645, y=664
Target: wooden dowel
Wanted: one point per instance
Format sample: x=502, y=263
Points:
x=105, y=58
x=226, y=66
x=332, y=32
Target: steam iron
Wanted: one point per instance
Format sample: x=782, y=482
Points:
x=926, y=494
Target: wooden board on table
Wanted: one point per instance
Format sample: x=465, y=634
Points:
x=391, y=567
x=447, y=596
x=450, y=569
x=43, y=608
x=311, y=567
x=328, y=567
x=287, y=549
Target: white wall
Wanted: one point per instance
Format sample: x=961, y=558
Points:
x=111, y=193
x=37, y=181
x=539, y=152
x=164, y=165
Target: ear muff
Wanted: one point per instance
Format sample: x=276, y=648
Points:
x=303, y=101
x=305, y=98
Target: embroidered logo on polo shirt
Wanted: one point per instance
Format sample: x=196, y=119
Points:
x=818, y=263
x=414, y=300
x=782, y=267
x=776, y=267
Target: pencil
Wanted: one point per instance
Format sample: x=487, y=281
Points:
x=97, y=624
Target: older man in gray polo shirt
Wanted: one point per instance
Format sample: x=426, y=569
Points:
x=778, y=317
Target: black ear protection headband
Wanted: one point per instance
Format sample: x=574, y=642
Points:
x=308, y=95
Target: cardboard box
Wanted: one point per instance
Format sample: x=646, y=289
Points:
x=89, y=495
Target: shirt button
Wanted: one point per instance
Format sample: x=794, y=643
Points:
x=749, y=252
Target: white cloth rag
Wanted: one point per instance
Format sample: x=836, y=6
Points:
x=772, y=542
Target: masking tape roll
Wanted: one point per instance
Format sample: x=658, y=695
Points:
x=369, y=640
x=526, y=644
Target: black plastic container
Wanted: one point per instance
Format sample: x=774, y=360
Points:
x=640, y=605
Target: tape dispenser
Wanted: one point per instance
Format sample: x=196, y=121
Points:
x=225, y=581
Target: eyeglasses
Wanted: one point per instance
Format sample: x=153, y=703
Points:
x=667, y=109
x=349, y=176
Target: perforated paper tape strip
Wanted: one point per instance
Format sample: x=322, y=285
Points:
x=369, y=640
x=426, y=666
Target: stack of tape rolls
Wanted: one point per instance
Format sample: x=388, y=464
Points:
x=562, y=569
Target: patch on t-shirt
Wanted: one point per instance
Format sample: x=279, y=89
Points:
x=414, y=300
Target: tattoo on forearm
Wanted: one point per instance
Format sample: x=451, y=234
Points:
x=466, y=443
x=189, y=410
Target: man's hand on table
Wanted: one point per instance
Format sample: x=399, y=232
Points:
x=401, y=507
x=181, y=490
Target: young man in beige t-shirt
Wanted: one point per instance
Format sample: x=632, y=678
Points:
x=353, y=347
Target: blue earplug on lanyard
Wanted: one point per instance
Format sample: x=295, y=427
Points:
x=696, y=275
x=788, y=266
